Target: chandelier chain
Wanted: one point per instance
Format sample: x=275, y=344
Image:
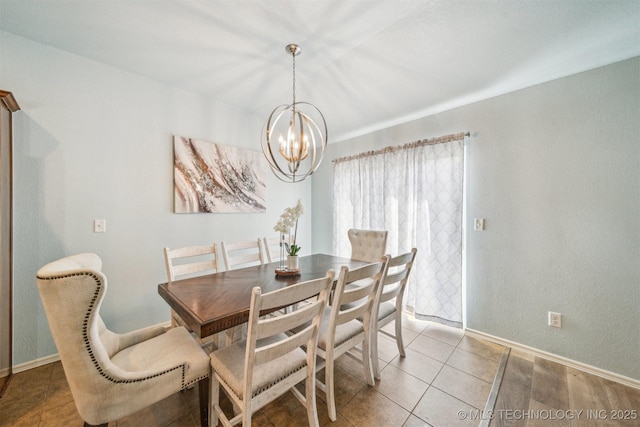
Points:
x=294, y=81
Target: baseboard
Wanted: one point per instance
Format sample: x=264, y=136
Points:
x=36, y=363
x=612, y=376
x=631, y=382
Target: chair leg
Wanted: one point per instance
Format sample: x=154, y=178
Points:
x=310, y=398
x=399, y=341
x=366, y=359
x=203, y=391
x=246, y=413
x=375, y=362
x=214, y=395
x=328, y=380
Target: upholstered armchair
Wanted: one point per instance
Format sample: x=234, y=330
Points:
x=113, y=375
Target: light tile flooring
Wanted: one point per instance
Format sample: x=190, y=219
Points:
x=445, y=374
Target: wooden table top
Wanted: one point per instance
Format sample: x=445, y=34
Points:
x=215, y=302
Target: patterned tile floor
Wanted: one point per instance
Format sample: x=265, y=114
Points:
x=444, y=372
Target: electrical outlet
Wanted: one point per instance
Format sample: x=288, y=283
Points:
x=99, y=226
x=555, y=319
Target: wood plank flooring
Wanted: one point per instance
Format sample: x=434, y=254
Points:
x=538, y=392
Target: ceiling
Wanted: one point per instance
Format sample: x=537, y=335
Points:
x=365, y=64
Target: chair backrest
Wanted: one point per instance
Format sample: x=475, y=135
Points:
x=277, y=331
x=103, y=368
x=394, y=278
x=72, y=290
x=354, y=295
x=243, y=253
x=191, y=260
x=367, y=245
x=272, y=248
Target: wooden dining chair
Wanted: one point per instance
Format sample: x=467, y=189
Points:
x=367, y=245
x=242, y=253
x=271, y=361
x=388, y=303
x=190, y=261
x=341, y=331
x=271, y=248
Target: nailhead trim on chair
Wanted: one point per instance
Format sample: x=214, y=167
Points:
x=269, y=385
x=277, y=381
x=87, y=343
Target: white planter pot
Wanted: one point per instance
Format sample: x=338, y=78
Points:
x=292, y=262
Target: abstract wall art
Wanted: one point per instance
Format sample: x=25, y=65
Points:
x=217, y=178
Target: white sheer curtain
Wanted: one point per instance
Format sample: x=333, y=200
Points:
x=415, y=192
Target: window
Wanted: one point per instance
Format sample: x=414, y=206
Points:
x=415, y=192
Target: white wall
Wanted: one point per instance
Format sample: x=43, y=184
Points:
x=92, y=142
x=554, y=169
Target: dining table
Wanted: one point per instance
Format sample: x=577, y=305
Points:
x=212, y=303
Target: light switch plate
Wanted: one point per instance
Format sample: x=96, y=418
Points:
x=99, y=226
x=478, y=224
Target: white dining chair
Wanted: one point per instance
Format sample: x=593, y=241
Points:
x=240, y=254
x=388, y=304
x=243, y=253
x=272, y=249
x=271, y=361
x=341, y=331
x=367, y=245
x=191, y=261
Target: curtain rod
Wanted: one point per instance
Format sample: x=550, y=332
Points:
x=394, y=148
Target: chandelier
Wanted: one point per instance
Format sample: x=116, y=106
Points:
x=295, y=136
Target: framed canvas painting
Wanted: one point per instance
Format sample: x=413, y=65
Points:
x=217, y=178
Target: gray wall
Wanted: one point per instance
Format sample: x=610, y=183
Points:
x=95, y=142
x=554, y=169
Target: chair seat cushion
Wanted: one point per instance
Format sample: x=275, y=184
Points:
x=386, y=309
x=174, y=347
x=228, y=364
x=343, y=331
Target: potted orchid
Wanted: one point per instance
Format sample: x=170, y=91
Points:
x=289, y=219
